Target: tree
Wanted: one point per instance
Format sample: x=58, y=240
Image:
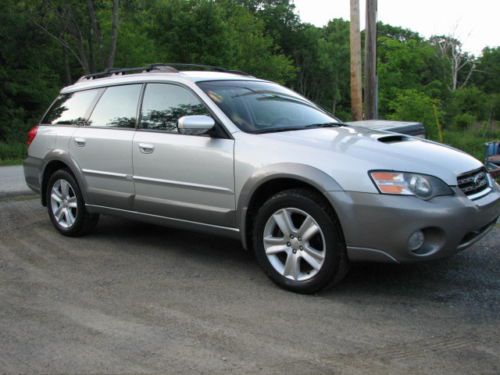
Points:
x=409, y=64
x=114, y=33
x=76, y=27
x=355, y=62
x=397, y=33
x=220, y=33
x=28, y=71
x=459, y=61
x=487, y=75
x=46, y=43
x=412, y=105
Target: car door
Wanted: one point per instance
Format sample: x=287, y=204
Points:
x=103, y=148
x=186, y=177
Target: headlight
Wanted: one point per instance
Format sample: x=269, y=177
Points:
x=403, y=183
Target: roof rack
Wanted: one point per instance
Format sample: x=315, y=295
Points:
x=160, y=68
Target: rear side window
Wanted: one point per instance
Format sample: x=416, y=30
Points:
x=70, y=109
x=164, y=104
x=117, y=107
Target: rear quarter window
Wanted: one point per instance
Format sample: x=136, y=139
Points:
x=70, y=108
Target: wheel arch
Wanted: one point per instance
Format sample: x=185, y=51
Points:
x=54, y=163
x=274, y=179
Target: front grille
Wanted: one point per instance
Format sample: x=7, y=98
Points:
x=474, y=183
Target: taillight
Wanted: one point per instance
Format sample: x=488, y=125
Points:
x=31, y=135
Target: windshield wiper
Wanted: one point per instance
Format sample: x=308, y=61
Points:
x=324, y=125
x=275, y=130
x=289, y=128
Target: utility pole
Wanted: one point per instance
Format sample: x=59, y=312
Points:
x=355, y=43
x=371, y=94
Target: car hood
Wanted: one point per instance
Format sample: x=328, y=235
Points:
x=364, y=149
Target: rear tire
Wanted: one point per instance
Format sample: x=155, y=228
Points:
x=66, y=206
x=299, y=243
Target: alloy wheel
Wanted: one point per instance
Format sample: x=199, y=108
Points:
x=294, y=244
x=63, y=203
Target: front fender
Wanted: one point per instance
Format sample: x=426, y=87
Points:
x=300, y=172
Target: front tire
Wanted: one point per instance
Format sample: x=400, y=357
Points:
x=66, y=206
x=298, y=241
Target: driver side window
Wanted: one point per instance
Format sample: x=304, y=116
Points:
x=164, y=104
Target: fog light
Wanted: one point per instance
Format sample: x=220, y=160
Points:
x=416, y=240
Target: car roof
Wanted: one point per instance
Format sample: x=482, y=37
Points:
x=180, y=76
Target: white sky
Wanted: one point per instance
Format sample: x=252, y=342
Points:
x=475, y=22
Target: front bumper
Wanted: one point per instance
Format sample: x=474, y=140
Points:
x=377, y=227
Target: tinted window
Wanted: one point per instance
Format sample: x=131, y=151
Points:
x=259, y=107
x=70, y=109
x=117, y=107
x=164, y=104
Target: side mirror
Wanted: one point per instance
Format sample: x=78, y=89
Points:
x=195, y=124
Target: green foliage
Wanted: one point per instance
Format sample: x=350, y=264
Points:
x=487, y=75
x=27, y=72
x=266, y=38
x=463, y=121
x=397, y=33
x=410, y=65
x=412, y=105
x=471, y=141
x=471, y=101
x=182, y=31
x=333, y=66
x=12, y=153
x=494, y=106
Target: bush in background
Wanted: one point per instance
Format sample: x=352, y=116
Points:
x=464, y=121
x=412, y=105
x=12, y=153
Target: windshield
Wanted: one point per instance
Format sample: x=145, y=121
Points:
x=261, y=107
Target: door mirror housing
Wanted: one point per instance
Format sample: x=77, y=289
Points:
x=195, y=124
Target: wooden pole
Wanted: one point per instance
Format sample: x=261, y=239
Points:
x=355, y=42
x=371, y=105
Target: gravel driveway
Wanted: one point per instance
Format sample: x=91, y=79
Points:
x=137, y=298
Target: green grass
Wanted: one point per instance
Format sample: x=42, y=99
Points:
x=471, y=140
x=11, y=162
x=12, y=153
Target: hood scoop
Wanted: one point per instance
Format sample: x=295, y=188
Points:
x=393, y=138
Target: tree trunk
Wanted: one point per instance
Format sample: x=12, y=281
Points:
x=371, y=60
x=95, y=39
x=114, y=34
x=67, y=71
x=355, y=42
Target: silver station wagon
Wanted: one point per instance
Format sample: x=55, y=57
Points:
x=230, y=154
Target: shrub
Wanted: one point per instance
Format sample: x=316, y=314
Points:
x=495, y=107
x=469, y=100
x=12, y=152
x=464, y=121
x=412, y=105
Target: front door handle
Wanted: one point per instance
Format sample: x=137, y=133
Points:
x=80, y=142
x=146, y=148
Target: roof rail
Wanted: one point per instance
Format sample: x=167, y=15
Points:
x=159, y=67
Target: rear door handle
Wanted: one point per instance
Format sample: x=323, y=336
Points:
x=146, y=148
x=80, y=142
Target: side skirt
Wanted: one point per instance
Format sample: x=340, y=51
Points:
x=166, y=221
